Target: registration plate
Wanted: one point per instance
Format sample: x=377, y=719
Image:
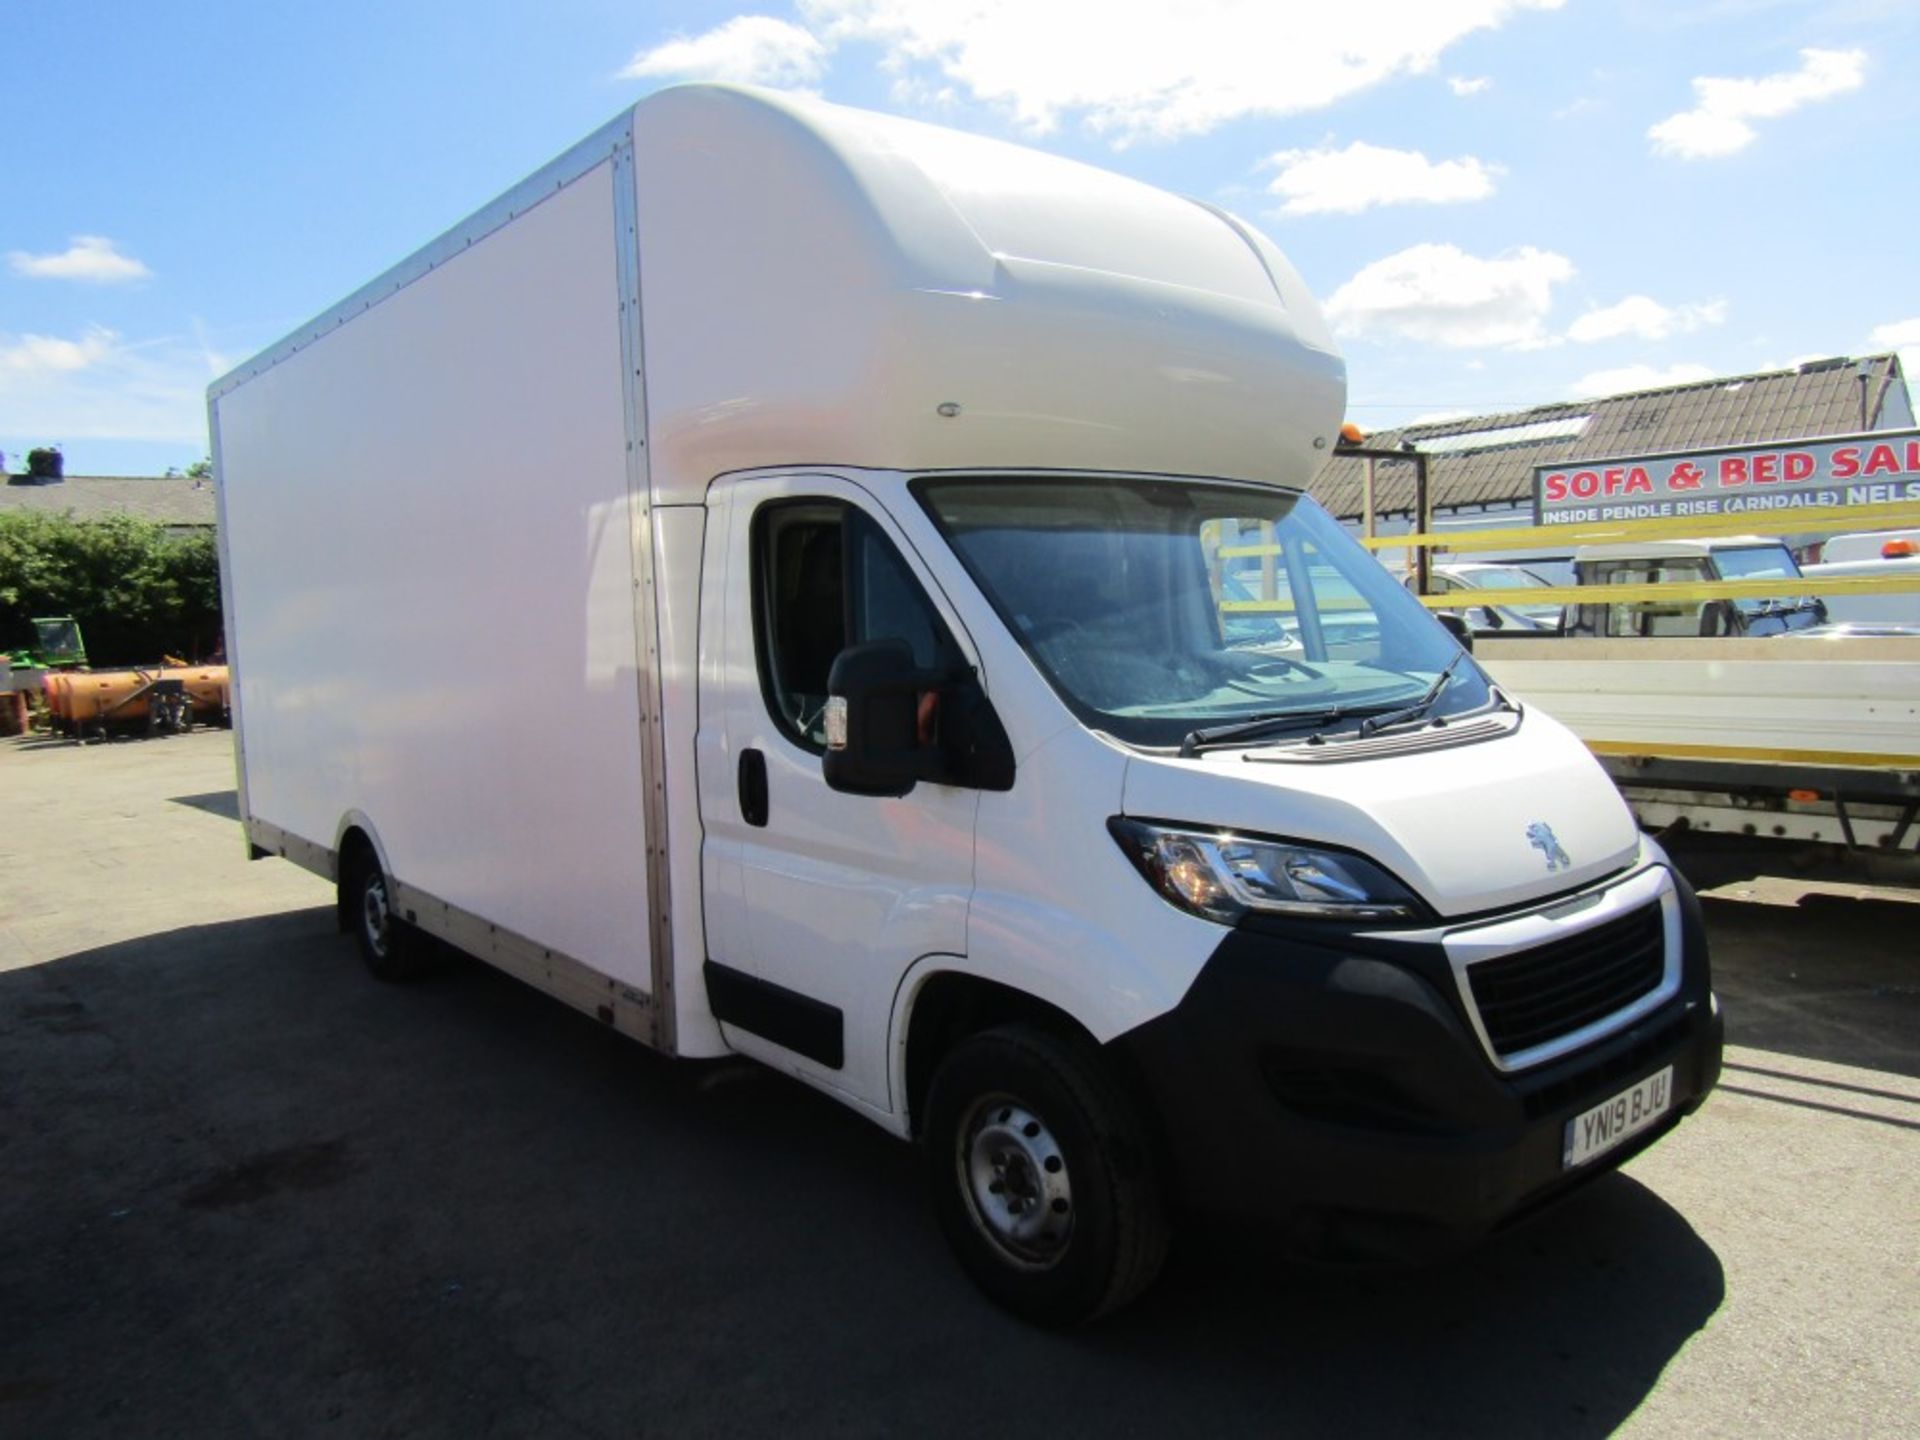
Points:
x=1596, y=1131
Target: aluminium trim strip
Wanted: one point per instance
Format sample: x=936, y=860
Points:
x=306, y=854
x=552, y=972
x=570, y=981
x=646, y=597
x=545, y=182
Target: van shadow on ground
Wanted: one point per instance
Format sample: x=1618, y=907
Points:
x=223, y=803
x=249, y=1190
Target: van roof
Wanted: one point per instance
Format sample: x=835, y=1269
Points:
x=1864, y=544
x=824, y=285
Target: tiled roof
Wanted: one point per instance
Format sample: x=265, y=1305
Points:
x=170, y=499
x=1819, y=398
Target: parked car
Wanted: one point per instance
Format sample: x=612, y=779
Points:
x=1732, y=557
x=1488, y=616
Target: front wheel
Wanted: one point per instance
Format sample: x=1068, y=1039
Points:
x=1042, y=1176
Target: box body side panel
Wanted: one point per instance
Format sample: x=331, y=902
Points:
x=432, y=585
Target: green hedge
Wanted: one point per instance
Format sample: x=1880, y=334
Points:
x=138, y=592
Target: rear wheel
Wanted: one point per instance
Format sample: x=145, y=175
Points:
x=393, y=949
x=1042, y=1176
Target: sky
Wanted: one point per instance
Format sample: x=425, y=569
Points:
x=1500, y=203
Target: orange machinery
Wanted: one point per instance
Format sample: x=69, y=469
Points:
x=160, y=696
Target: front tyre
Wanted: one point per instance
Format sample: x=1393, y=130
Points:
x=1042, y=1176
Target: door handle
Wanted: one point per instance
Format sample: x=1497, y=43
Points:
x=753, y=787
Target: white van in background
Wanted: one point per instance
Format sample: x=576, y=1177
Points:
x=1868, y=545
x=1869, y=554
x=853, y=684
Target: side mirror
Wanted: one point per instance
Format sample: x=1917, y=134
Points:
x=1456, y=627
x=891, y=725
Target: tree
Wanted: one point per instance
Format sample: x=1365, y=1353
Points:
x=138, y=592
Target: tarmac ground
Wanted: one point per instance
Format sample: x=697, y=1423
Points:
x=247, y=1190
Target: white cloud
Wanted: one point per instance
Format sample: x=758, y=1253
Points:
x=1628, y=378
x=98, y=387
x=1140, y=69
x=1464, y=86
x=1441, y=295
x=1645, y=319
x=1720, y=121
x=1898, y=333
x=1345, y=182
x=32, y=355
x=746, y=50
x=89, y=258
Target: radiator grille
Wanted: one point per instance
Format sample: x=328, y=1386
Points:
x=1536, y=996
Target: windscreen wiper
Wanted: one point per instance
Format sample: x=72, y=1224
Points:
x=1277, y=723
x=1418, y=707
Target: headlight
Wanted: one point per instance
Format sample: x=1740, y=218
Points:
x=1223, y=876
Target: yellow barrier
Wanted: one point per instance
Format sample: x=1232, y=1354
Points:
x=1858, y=517
x=1839, y=517
x=1287, y=607
x=1616, y=594
x=1675, y=590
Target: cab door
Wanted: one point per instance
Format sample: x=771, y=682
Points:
x=818, y=901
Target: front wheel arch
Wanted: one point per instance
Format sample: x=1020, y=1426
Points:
x=950, y=1005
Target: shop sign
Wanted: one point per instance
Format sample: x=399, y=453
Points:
x=1874, y=469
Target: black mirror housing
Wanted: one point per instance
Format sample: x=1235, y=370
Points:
x=872, y=720
x=1457, y=627
x=891, y=725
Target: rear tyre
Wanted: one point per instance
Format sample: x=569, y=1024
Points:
x=392, y=949
x=1042, y=1176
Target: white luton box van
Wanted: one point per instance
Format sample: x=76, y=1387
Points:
x=805, y=584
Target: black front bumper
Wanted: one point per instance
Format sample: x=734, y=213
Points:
x=1332, y=1086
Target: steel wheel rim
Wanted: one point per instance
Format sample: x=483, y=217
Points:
x=1014, y=1176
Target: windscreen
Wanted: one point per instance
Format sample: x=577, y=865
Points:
x=1505, y=577
x=1759, y=562
x=1513, y=577
x=1158, y=607
x=1767, y=562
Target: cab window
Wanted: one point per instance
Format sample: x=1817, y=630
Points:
x=825, y=577
x=1658, y=618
